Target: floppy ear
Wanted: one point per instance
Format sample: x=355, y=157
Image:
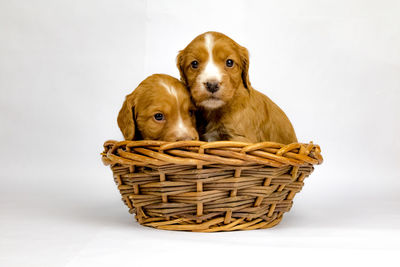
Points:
x=244, y=57
x=126, y=121
x=179, y=64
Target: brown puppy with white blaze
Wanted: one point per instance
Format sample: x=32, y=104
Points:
x=160, y=108
x=215, y=70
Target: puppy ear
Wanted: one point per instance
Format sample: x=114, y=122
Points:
x=179, y=64
x=244, y=57
x=126, y=121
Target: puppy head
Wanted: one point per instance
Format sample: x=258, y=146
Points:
x=213, y=67
x=158, y=109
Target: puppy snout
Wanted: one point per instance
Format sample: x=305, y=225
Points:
x=186, y=138
x=212, y=86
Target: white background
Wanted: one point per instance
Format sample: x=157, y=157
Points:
x=65, y=67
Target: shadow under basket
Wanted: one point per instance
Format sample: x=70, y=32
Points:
x=209, y=186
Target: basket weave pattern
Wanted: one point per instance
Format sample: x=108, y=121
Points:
x=209, y=186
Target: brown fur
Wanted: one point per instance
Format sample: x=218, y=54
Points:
x=136, y=117
x=246, y=115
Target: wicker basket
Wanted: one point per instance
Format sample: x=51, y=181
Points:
x=209, y=187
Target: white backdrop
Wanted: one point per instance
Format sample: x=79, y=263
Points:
x=65, y=67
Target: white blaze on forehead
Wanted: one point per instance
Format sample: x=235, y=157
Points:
x=180, y=128
x=211, y=71
x=171, y=90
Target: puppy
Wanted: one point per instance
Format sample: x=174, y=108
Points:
x=215, y=70
x=160, y=108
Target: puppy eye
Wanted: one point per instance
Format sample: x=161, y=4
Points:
x=229, y=63
x=159, y=117
x=191, y=113
x=195, y=64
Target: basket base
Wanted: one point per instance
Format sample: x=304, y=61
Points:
x=214, y=225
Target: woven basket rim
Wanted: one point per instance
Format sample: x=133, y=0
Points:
x=200, y=153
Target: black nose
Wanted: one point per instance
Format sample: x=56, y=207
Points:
x=212, y=87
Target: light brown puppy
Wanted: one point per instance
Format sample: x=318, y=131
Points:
x=215, y=70
x=160, y=108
